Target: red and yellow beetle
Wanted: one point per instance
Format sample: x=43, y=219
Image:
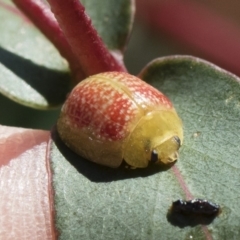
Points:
x=114, y=116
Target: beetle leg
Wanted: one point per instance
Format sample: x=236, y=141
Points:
x=154, y=156
x=177, y=139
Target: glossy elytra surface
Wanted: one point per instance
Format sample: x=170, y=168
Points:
x=114, y=116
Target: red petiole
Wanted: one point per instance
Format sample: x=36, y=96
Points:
x=72, y=33
x=41, y=15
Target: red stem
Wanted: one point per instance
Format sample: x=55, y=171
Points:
x=41, y=15
x=90, y=50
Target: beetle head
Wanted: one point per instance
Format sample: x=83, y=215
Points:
x=166, y=152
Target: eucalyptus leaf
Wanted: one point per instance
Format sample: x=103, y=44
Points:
x=112, y=19
x=95, y=202
x=31, y=70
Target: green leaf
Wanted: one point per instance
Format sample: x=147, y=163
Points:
x=95, y=202
x=112, y=19
x=31, y=70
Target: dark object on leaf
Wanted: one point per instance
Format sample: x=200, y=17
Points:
x=196, y=206
x=191, y=213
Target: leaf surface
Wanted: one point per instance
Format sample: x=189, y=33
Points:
x=95, y=202
x=32, y=72
x=25, y=191
x=112, y=19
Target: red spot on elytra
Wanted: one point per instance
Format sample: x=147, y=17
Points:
x=111, y=131
x=143, y=93
x=102, y=107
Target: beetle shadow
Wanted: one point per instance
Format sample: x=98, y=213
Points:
x=98, y=173
x=38, y=77
x=182, y=220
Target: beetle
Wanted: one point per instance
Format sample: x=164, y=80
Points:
x=113, y=116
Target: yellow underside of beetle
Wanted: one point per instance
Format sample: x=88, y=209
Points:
x=155, y=131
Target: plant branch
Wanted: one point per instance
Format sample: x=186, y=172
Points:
x=84, y=40
x=41, y=15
